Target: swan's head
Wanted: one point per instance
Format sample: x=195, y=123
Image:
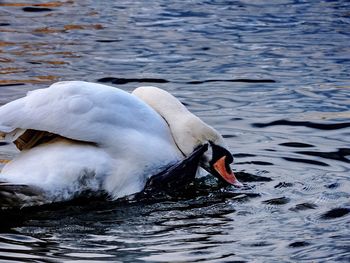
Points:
x=217, y=162
x=189, y=132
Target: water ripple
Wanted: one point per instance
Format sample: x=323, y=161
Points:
x=272, y=76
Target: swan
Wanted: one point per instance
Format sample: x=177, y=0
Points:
x=75, y=136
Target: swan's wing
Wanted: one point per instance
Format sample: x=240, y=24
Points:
x=80, y=111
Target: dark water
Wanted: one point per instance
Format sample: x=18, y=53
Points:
x=272, y=76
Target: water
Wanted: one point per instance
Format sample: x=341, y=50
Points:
x=290, y=126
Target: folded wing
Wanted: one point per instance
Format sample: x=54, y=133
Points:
x=77, y=110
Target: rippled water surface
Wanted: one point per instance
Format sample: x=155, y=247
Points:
x=271, y=76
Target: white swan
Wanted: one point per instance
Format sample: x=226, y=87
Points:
x=77, y=135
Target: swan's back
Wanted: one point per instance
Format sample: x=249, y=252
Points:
x=82, y=111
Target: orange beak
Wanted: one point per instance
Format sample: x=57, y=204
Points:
x=228, y=176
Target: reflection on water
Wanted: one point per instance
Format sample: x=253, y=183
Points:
x=272, y=76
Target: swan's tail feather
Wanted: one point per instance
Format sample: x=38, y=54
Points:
x=18, y=196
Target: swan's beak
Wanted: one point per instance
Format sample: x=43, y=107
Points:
x=225, y=172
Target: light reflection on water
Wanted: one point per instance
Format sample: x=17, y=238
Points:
x=294, y=130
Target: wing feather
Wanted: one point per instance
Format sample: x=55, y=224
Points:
x=81, y=111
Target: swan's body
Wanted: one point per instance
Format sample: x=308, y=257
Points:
x=104, y=138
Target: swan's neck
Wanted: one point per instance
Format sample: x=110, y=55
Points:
x=187, y=129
